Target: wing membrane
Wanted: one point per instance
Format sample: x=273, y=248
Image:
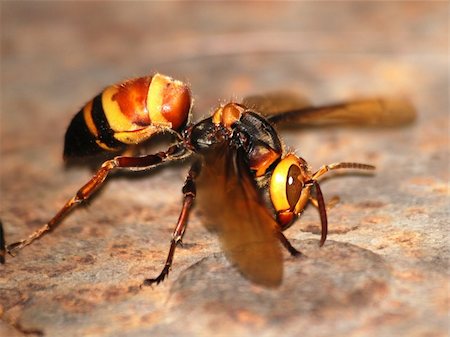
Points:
x=233, y=207
x=273, y=103
x=370, y=112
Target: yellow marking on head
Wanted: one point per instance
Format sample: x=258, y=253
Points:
x=279, y=193
x=278, y=186
x=304, y=198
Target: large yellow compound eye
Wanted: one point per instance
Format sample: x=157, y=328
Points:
x=286, y=183
x=294, y=185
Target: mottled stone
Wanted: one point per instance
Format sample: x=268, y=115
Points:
x=384, y=270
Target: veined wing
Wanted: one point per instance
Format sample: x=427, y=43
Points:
x=228, y=197
x=369, y=112
x=276, y=102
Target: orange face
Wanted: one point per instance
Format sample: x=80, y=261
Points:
x=288, y=192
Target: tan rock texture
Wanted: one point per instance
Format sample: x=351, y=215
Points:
x=383, y=270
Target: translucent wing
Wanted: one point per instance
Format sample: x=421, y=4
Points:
x=228, y=197
x=370, y=112
x=273, y=103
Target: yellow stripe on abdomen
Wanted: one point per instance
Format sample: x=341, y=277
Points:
x=116, y=119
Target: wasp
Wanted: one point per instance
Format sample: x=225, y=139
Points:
x=248, y=185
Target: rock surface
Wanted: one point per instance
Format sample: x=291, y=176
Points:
x=384, y=269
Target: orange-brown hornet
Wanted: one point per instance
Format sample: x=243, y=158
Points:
x=237, y=158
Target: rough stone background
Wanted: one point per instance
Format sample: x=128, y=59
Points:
x=384, y=270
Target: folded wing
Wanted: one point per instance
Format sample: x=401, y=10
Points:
x=290, y=109
x=228, y=197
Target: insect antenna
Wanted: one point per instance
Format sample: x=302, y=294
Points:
x=343, y=165
x=320, y=201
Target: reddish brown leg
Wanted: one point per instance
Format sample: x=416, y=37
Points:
x=285, y=242
x=189, y=192
x=121, y=162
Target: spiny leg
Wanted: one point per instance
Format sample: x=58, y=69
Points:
x=189, y=192
x=121, y=162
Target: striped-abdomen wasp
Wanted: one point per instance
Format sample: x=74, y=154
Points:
x=237, y=159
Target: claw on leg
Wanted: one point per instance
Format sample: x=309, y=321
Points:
x=189, y=192
x=161, y=277
x=291, y=249
x=141, y=163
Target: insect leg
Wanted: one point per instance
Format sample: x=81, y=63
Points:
x=320, y=202
x=121, y=162
x=189, y=192
x=285, y=242
x=2, y=244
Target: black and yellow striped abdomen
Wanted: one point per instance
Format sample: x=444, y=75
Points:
x=81, y=141
x=128, y=113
